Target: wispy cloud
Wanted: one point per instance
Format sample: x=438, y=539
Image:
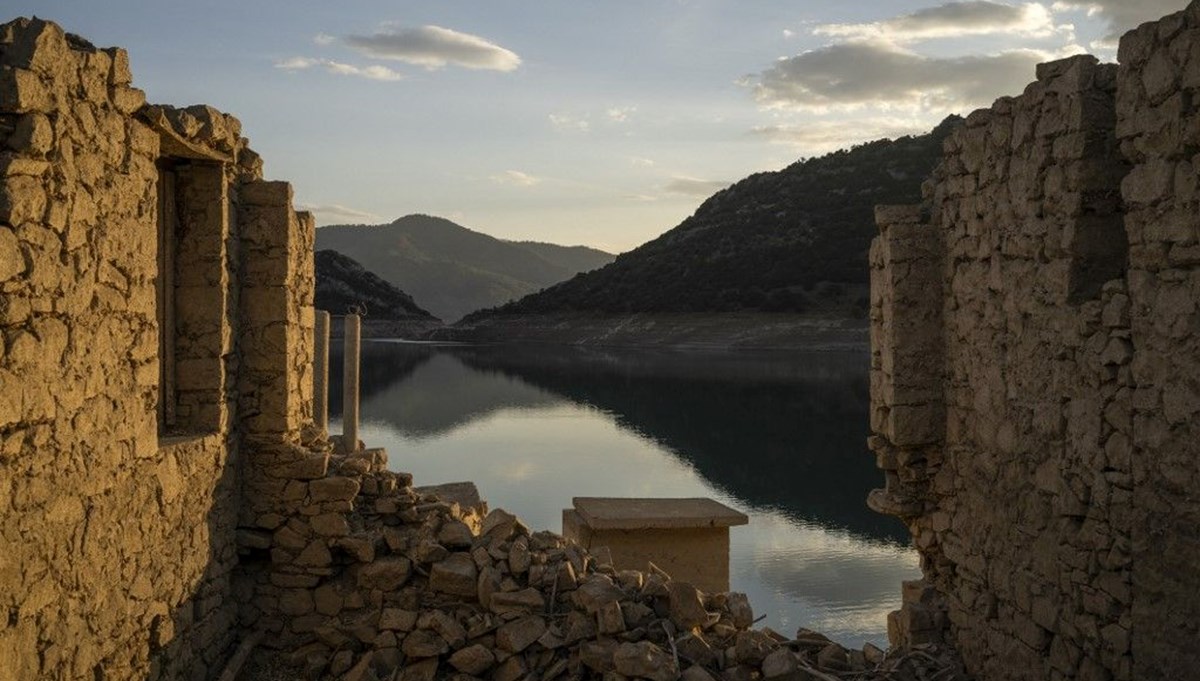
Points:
x=372, y=72
x=334, y=213
x=1121, y=15
x=641, y=198
x=620, y=114
x=434, y=47
x=692, y=186
x=822, y=136
x=324, y=39
x=952, y=20
x=882, y=75
x=641, y=162
x=516, y=178
x=569, y=123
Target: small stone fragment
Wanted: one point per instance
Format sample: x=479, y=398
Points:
x=645, y=660
x=687, y=606
x=696, y=673
x=751, y=647
x=595, y=592
x=456, y=535
x=456, y=576
x=499, y=524
x=518, y=635
x=519, y=558
x=387, y=574
x=424, y=643
x=779, y=663
x=423, y=670
x=473, y=660
x=598, y=655
x=510, y=669
x=526, y=601
x=740, y=610
x=445, y=625
x=834, y=657
x=609, y=618
x=395, y=619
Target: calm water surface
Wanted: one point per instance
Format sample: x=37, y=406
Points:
x=780, y=437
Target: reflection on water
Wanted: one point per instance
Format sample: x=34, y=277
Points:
x=780, y=437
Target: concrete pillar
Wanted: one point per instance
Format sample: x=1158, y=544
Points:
x=321, y=373
x=350, y=384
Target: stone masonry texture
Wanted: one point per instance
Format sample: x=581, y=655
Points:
x=118, y=553
x=166, y=496
x=1036, y=373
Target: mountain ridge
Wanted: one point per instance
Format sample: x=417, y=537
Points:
x=453, y=270
x=792, y=241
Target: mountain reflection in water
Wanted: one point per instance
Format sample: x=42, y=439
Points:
x=779, y=436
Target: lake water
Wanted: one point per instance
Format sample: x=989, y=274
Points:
x=780, y=437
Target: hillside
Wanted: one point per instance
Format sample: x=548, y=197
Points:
x=453, y=270
x=574, y=258
x=342, y=284
x=794, y=240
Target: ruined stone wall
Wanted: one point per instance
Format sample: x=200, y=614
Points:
x=1158, y=126
x=118, y=557
x=1035, y=374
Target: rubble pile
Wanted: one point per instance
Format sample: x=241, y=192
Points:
x=413, y=588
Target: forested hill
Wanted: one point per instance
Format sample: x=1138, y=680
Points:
x=343, y=284
x=794, y=240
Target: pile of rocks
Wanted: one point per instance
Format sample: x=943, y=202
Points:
x=414, y=588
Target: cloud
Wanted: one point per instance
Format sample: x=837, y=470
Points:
x=568, y=123
x=515, y=178
x=692, y=186
x=1122, y=15
x=434, y=47
x=882, y=75
x=818, y=137
x=641, y=161
x=372, y=72
x=334, y=213
x=620, y=114
x=324, y=39
x=953, y=20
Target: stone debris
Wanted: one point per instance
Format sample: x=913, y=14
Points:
x=418, y=588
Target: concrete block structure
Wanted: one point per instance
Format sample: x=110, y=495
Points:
x=686, y=538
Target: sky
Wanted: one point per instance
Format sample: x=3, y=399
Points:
x=595, y=122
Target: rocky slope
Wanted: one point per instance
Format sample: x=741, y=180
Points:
x=795, y=240
x=453, y=270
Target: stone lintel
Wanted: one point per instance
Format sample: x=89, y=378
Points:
x=610, y=513
x=173, y=144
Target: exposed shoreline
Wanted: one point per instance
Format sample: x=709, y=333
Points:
x=757, y=331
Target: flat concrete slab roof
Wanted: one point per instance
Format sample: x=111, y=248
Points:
x=616, y=513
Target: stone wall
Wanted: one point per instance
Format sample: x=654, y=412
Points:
x=1158, y=126
x=1034, y=373
x=120, y=496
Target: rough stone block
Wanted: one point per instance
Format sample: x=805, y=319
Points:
x=333, y=489
x=22, y=200
x=386, y=574
x=22, y=91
